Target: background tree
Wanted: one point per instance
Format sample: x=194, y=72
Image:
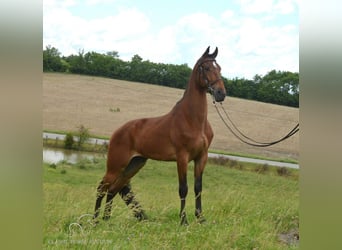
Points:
x=278, y=87
x=52, y=61
x=77, y=63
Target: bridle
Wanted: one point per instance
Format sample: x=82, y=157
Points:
x=206, y=80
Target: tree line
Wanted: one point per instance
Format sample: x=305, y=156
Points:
x=278, y=87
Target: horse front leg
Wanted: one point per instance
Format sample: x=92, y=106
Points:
x=198, y=200
x=199, y=168
x=182, y=166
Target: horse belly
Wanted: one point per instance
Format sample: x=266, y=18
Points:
x=157, y=148
x=152, y=140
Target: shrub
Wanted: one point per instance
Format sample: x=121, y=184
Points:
x=222, y=161
x=114, y=110
x=53, y=165
x=69, y=141
x=240, y=166
x=83, y=136
x=234, y=163
x=262, y=168
x=283, y=171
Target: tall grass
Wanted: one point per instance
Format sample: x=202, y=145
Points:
x=244, y=209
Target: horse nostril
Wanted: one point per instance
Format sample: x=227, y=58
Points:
x=219, y=95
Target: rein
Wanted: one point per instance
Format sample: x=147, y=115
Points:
x=242, y=137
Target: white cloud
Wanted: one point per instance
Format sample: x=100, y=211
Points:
x=268, y=6
x=96, y=2
x=227, y=15
x=247, y=45
x=260, y=48
x=285, y=6
x=256, y=6
x=69, y=33
x=47, y=4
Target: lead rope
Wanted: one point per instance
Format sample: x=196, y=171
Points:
x=253, y=142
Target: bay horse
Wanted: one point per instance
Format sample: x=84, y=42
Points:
x=182, y=135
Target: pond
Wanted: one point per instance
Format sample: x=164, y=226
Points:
x=55, y=155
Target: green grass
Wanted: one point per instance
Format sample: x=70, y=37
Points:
x=244, y=209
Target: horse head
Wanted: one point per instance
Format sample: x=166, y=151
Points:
x=209, y=75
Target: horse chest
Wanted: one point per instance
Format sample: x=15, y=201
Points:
x=194, y=141
x=202, y=141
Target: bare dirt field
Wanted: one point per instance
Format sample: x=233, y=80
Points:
x=103, y=104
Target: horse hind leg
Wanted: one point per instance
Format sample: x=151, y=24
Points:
x=101, y=192
x=106, y=187
x=128, y=197
x=126, y=192
x=112, y=191
x=131, y=169
x=135, y=164
x=109, y=203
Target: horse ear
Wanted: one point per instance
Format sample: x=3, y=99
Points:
x=206, y=52
x=213, y=55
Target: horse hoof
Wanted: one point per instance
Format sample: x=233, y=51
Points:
x=141, y=216
x=184, y=222
x=95, y=222
x=201, y=220
x=106, y=217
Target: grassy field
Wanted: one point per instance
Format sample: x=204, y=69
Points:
x=244, y=209
x=103, y=104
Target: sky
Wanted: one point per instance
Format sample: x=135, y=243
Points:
x=252, y=36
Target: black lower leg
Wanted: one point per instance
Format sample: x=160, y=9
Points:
x=198, y=201
x=183, y=191
x=99, y=196
x=108, y=208
x=128, y=196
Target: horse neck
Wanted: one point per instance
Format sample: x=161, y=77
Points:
x=195, y=101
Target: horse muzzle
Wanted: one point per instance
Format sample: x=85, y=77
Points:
x=219, y=95
x=217, y=91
